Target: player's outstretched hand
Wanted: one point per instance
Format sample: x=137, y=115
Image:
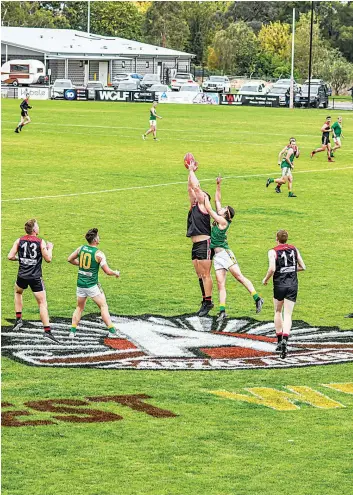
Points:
x=50, y=245
x=219, y=179
x=117, y=273
x=264, y=282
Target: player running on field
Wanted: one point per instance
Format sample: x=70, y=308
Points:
x=89, y=258
x=153, y=122
x=199, y=231
x=24, y=114
x=285, y=161
x=325, y=140
x=224, y=260
x=29, y=250
x=284, y=263
x=337, y=134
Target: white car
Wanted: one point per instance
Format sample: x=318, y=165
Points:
x=126, y=77
x=253, y=87
x=149, y=80
x=92, y=87
x=127, y=86
x=57, y=90
x=194, y=88
x=217, y=84
x=160, y=88
x=180, y=79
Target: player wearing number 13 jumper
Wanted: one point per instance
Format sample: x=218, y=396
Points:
x=284, y=263
x=29, y=250
x=88, y=258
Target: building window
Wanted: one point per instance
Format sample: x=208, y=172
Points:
x=123, y=64
x=147, y=65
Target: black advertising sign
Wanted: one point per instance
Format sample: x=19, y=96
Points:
x=255, y=100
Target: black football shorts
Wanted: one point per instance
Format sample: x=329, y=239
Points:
x=36, y=284
x=282, y=292
x=201, y=250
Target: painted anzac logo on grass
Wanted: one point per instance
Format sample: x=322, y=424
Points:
x=184, y=342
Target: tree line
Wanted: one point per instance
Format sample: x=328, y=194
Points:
x=239, y=38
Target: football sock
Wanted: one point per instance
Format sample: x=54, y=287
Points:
x=111, y=329
x=279, y=337
x=202, y=287
x=18, y=315
x=208, y=299
x=222, y=308
x=285, y=337
x=255, y=296
x=271, y=180
x=47, y=329
x=73, y=328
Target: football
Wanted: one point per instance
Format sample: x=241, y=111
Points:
x=189, y=159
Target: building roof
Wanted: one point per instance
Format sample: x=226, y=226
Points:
x=71, y=43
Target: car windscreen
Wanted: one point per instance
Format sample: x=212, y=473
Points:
x=62, y=84
x=279, y=90
x=313, y=90
x=216, y=79
x=249, y=88
x=182, y=76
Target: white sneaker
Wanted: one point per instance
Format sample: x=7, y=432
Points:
x=143, y=137
x=116, y=334
x=72, y=335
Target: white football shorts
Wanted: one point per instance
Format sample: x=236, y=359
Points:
x=337, y=140
x=286, y=172
x=153, y=123
x=89, y=291
x=224, y=260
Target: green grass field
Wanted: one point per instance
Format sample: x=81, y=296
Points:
x=84, y=164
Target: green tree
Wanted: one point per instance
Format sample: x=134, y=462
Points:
x=236, y=49
x=302, y=42
x=165, y=25
x=33, y=14
x=336, y=70
x=121, y=19
x=275, y=39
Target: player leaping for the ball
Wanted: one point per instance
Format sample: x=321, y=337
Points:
x=285, y=161
x=199, y=231
x=153, y=122
x=24, y=106
x=224, y=260
x=284, y=263
x=88, y=258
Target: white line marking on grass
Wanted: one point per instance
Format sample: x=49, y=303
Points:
x=121, y=189
x=140, y=129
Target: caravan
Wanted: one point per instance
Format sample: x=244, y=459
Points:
x=23, y=72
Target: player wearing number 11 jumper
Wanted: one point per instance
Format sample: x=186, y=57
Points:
x=284, y=263
x=89, y=258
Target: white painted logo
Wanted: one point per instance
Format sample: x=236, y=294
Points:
x=181, y=342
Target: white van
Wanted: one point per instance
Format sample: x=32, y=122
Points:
x=22, y=72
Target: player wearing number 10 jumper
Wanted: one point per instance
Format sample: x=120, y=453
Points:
x=88, y=258
x=284, y=263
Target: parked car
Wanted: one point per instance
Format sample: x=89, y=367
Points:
x=22, y=72
x=218, y=84
x=180, y=79
x=319, y=82
x=57, y=90
x=149, y=80
x=253, y=87
x=318, y=96
x=286, y=82
x=160, y=88
x=92, y=87
x=127, y=86
x=43, y=80
x=127, y=77
x=283, y=92
x=194, y=88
